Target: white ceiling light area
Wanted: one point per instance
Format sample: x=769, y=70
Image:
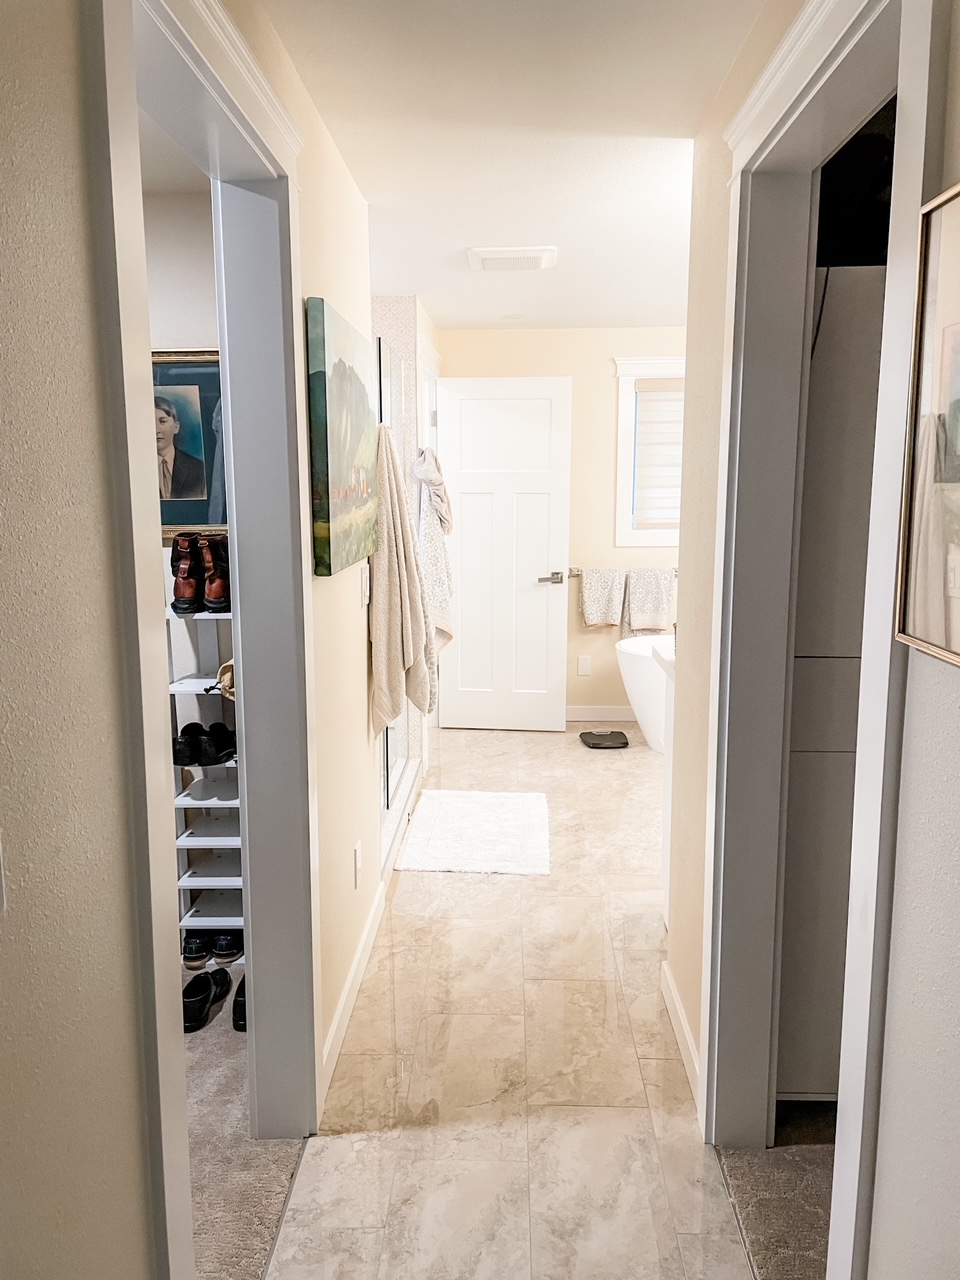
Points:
x=533, y=123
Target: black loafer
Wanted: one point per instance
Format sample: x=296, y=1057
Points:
x=228, y=946
x=196, y=949
x=201, y=993
x=218, y=744
x=240, y=1006
x=187, y=744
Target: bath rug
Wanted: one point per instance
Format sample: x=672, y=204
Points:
x=487, y=831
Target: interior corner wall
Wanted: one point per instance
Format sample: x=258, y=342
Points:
x=706, y=325
x=915, y=1228
x=74, y=1182
x=334, y=258
x=586, y=355
x=180, y=271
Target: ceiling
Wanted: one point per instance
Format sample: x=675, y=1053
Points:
x=474, y=123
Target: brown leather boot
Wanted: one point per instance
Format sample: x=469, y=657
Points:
x=216, y=569
x=187, y=574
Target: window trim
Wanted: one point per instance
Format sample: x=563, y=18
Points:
x=629, y=370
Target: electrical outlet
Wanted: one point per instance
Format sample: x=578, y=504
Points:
x=357, y=864
x=365, y=584
x=584, y=665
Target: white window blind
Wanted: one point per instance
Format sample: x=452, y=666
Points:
x=657, y=445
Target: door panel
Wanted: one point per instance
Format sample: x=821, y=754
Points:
x=504, y=444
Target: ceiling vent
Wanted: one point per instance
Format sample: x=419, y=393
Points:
x=527, y=258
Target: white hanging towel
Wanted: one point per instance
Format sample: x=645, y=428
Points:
x=401, y=634
x=601, y=597
x=926, y=608
x=649, y=599
x=436, y=521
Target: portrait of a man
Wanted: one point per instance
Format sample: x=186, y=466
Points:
x=182, y=474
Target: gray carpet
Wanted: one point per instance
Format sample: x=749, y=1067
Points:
x=239, y=1185
x=782, y=1200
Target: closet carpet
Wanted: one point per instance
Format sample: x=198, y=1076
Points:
x=782, y=1201
x=239, y=1185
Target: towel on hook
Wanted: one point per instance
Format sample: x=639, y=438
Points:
x=436, y=520
x=401, y=632
x=649, y=600
x=601, y=597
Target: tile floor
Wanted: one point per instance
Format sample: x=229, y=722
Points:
x=509, y=1103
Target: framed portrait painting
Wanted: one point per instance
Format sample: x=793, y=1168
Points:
x=929, y=581
x=189, y=432
x=344, y=401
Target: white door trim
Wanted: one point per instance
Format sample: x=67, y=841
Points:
x=837, y=65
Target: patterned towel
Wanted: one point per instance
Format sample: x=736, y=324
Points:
x=649, y=600
x=601, y=596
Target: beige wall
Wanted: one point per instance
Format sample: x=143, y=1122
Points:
x=180, y=270
x=73, y=1172
x=706, y=311
x=334, y=264
x=586, y=355
x=916, y=1230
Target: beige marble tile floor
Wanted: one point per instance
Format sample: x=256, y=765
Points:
x=509, y=1102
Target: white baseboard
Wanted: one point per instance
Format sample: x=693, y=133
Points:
x=681, y=1026
x=338, y=1028
x=579, y=714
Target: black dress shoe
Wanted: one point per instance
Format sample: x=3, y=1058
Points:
x=218, y=744
x=196, y=949
x=187, y=744
x=240, y=1006
x=201, y=993
x=228, y=946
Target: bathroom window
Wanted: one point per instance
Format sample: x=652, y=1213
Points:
x=649, y=442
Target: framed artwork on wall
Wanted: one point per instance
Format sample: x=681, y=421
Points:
x=343, y=388
x=189, y=431
x=929, y=577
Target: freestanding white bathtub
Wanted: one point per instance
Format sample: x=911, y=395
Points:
x=646, y=683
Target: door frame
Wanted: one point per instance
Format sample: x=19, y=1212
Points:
x=836, y=67
x=189, y=67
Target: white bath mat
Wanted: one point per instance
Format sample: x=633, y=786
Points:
x=503, y=831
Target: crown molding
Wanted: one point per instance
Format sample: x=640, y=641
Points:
x=239, y=54
x=650, y=366
x=815, y=34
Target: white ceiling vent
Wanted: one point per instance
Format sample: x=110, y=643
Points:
x=527, y=258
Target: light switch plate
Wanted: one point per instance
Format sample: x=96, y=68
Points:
x=584, y=665
x=365, y=584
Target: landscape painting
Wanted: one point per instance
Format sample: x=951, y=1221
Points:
x=343, y=410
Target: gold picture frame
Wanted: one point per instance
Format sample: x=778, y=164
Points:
x=928, y=570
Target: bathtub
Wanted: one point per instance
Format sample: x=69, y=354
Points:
x=646, y=683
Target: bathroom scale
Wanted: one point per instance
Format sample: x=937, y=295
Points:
x=604, y=741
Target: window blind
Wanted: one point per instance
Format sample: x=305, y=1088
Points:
x=658, y=438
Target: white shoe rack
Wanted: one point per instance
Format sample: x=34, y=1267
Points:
x=207, y=800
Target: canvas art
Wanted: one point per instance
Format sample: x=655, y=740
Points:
x=343, y=411
x=188, y=422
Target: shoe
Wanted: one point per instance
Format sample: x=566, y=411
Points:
x=217, y=745
x=216, y=572
x=604, y=741
x=201, y=994
x=186, y=564
x=196, y=949
x=227, y=947
x=188, y=744
x=240, y=1006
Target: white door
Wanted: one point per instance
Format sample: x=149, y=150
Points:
x=504, y=445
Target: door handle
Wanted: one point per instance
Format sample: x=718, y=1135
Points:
x=556, y=577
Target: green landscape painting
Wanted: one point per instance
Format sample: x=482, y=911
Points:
x=343, y=410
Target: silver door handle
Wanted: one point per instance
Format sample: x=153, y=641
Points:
x=555, y=577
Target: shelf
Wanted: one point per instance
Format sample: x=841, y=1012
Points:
x=223, y=764
x=195, y=683
x=215, y=909
x=212, y=964
x=210, y=793
x=218, y=869
x=213, y=831
x=203, y=616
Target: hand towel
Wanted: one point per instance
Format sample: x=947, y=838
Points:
x=649, y=599
x=404, y=656
x=926, y=606
x=436, y=520
x=601, y=597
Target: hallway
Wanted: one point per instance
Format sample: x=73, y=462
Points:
x=509, y=1102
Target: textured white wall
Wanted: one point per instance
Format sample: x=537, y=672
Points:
x=73, y=1178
